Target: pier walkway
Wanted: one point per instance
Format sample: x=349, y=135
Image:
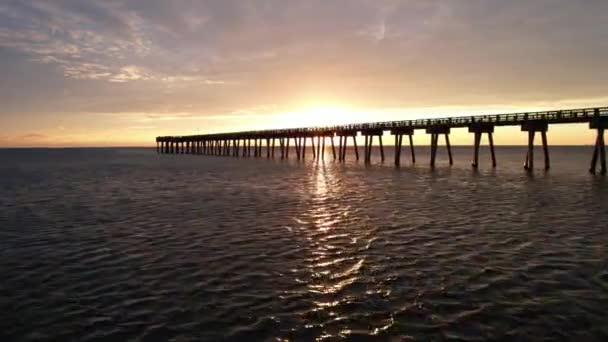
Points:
x=239, y=144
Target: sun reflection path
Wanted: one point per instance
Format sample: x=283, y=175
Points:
x=337, y=253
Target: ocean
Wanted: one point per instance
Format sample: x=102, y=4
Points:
x=124, y=244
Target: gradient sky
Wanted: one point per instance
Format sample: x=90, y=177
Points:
x=98, y=73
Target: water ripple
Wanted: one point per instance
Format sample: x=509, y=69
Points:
x=124, y=244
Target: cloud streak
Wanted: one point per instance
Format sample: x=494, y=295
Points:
x=213, y=58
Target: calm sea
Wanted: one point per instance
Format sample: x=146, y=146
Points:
x=119, y=244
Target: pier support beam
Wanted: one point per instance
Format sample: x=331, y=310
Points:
x=369, y=140
x=435, y=131
x=319, y=151
x=323, y=149
x=600, y=124
x=344, y=144
x=479, y=129
x=356, y=147
x=344, y=135
x=297, y=141
x=533, y=126
x=399, y=133
x=260, y=147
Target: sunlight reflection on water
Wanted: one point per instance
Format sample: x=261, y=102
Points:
x=108, y=244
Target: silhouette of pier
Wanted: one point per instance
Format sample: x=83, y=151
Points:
x=239, y=144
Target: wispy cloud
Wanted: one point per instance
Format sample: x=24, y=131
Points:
x=225, y=60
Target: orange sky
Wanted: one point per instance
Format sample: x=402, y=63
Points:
x=120, y=73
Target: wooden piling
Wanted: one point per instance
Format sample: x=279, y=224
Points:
x=545, y=149
x=533, y=126
x=356, y=147
x=476, y=153
x=435, y=131
x=268, y=148
x=318, y=147
x=530, y=156
x=447, y=144
x=323, y=149
x=341, y=147
x=398, y=138
x=365, y=151
x=491, y=141
x=412, y=149
x=381, y=148
x=599, y=124
x=433, y=149
x=602, y=152
x=479, y=128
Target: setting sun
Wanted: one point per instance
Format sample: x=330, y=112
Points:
x=313, y=116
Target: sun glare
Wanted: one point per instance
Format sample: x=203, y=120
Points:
x=320, y=116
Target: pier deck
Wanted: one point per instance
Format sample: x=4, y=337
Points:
x=229, y=144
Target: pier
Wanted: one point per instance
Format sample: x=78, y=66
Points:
x=239, y=144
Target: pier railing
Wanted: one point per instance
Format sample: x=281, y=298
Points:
x=531, y=122
x=512, y=119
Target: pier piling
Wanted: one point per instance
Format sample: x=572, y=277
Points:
x=435, y=131
x=399, y=133
x=599, y=124
x=533, y=126
x=479, y=129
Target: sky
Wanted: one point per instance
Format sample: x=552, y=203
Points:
x=121, y=72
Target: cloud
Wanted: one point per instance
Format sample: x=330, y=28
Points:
x=33, y=136
x=213, y=58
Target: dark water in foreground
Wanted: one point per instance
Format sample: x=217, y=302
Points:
x=119, y=244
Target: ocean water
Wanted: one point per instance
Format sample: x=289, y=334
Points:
x=125, y=244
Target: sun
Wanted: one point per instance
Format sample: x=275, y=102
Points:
x=320, y=115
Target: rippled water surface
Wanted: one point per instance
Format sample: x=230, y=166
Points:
x=117, y=244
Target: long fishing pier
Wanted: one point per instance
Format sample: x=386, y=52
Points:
x=239, y=144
